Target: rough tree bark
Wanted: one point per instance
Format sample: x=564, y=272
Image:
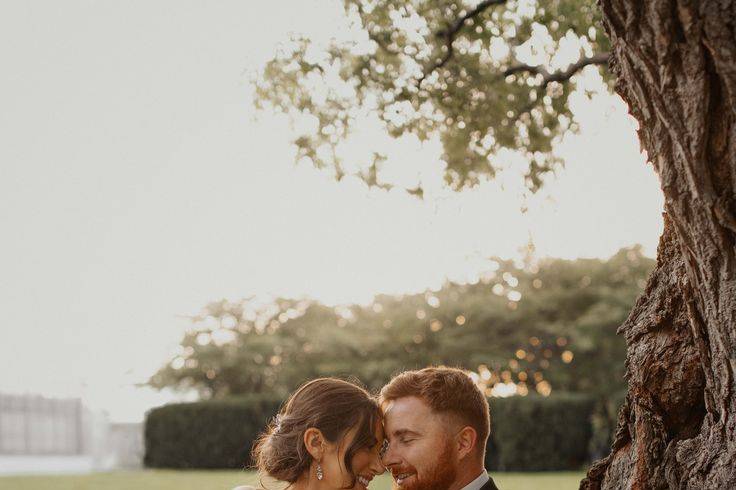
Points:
x=676, y=66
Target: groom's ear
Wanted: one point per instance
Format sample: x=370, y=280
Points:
x=314, y=442
x=466, y=441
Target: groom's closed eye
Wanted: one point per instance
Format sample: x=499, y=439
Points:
x=405, y=436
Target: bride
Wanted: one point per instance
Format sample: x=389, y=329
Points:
x=327, y=436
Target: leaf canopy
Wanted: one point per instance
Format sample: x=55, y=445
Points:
x=481, y=77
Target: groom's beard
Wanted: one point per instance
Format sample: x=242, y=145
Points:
x=439, y=475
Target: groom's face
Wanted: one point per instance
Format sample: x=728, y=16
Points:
x=421, y=453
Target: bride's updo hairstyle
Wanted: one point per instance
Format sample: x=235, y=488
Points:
x=331, y=405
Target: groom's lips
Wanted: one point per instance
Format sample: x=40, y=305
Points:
x=401, y=476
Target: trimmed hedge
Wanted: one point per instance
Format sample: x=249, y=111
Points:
x=527, y=433
x=604, y=420
x=210, y=434
x=534, y=433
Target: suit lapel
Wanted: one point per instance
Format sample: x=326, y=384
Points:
x=490, y=485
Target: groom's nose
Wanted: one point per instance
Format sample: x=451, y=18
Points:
x=389, y=457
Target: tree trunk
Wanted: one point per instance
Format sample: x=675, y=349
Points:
x=676, y=68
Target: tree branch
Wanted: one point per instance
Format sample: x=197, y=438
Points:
x=562, y=75
x=557, y=76
x=382, y=45
x=451, y=33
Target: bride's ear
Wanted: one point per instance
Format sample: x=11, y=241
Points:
x=314, y=441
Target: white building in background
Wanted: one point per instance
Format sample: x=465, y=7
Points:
x=45, y=435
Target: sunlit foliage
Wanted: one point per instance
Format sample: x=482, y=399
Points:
x=481, y=75
x=542, y=327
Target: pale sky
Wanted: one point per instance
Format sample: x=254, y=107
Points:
x=136, y=185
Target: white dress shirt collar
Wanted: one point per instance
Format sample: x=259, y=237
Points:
x=478, y=483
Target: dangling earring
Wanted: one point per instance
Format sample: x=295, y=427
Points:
x=320, y=474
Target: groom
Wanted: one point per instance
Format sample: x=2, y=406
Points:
x=437, y=423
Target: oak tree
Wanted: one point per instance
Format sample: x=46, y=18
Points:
x=486, y=76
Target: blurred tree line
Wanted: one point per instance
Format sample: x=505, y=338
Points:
x=518, y=328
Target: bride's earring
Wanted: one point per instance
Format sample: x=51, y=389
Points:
x=320, y=474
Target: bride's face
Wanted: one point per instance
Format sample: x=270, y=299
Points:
x=366, y=462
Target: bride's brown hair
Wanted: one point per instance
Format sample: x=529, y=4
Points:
x=331, y=405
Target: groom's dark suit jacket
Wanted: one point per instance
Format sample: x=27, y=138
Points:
x=489, y=485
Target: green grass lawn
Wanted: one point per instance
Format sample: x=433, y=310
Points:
x=225, y=480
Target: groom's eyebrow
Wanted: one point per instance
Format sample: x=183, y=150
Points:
x=405, y=432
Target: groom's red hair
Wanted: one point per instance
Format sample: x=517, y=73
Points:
x=447, y=391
